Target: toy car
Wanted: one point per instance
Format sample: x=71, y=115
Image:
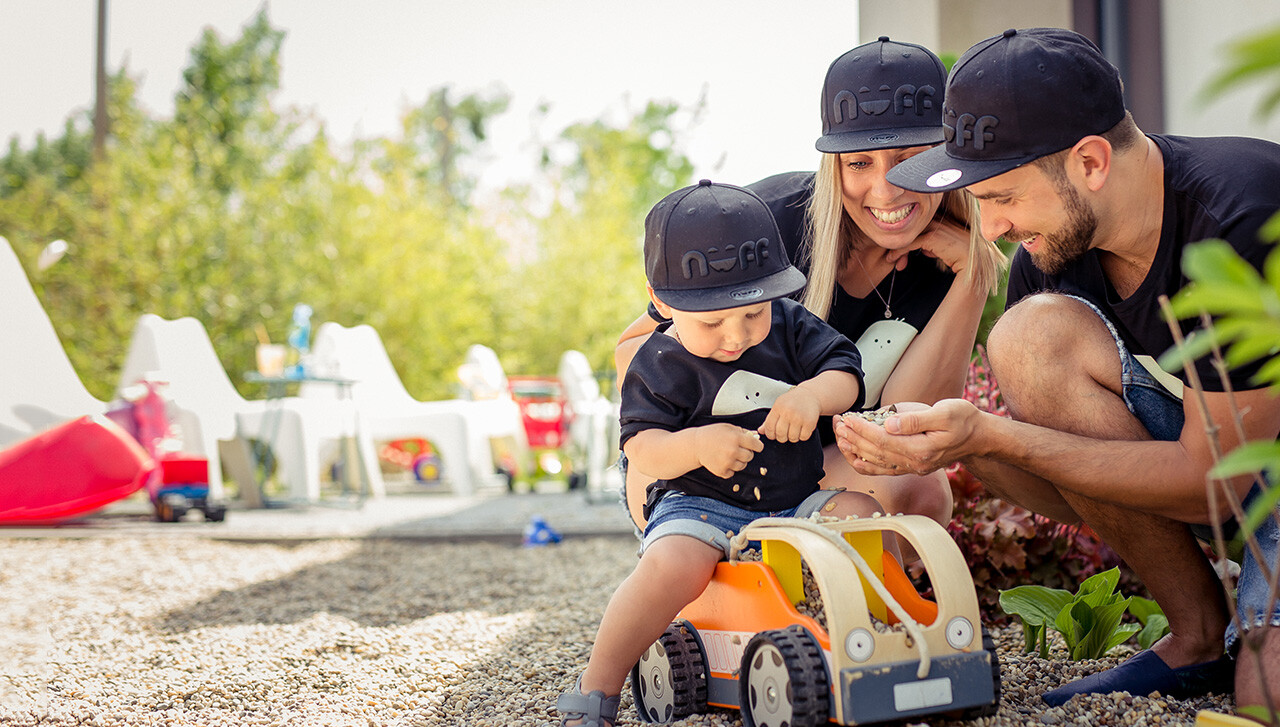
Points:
x=885, y=653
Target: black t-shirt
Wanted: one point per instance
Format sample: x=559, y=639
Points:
x=1217, y=187
x=666, y=387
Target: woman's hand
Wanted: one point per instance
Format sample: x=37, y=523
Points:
x=942, y=239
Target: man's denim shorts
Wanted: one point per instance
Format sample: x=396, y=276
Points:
x=1161, y=413
x=712, y=521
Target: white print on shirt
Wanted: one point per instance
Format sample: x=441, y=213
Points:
x=744, y=391
x=882, y=346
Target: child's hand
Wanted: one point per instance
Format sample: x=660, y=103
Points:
x=793, y=416
x=724, y=448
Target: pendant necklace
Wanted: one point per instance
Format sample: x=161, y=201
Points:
x=876, y=289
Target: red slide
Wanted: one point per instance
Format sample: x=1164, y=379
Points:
x=71, y=469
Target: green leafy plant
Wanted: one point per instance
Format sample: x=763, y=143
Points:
x=1089, y=620
x=1152, y=618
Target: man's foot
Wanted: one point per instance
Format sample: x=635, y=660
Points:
x=1145, y=673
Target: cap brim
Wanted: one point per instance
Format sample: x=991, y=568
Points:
x=778, y=285
x=936, y=171
x=846, y=142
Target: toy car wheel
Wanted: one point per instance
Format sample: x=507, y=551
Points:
x=783, y=680
x=986, y=710
x=164, y=513
x=426, y=468
x=670, y=680
x=215, y=513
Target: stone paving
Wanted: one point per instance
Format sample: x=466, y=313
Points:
x=409, y=512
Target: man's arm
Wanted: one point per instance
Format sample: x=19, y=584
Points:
x=1165, y=478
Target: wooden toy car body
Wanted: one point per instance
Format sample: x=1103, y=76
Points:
x=884, y=654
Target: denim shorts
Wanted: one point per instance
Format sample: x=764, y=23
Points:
x=711, y=520
x=1161, y=413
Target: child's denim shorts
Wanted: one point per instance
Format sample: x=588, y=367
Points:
x=712, y=521
x=1161, y=413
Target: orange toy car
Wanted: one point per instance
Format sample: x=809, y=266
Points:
x=886, y=653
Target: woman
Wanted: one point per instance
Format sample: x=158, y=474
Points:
x=866, y=248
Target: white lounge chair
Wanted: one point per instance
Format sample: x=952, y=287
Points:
x=39, y=388
x=594, y=417
x=459, y=429
x=209, y=410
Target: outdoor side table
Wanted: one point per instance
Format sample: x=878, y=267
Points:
x=350, y=456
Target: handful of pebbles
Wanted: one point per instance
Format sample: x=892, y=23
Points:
x=875, y=416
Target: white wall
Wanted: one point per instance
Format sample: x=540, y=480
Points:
x=951, y=26
x=1195, y=33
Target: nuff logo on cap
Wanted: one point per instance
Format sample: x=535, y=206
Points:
x=846, y=104
x=725, y=261
x=958, y=129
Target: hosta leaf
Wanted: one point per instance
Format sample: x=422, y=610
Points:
x=1123, y=633
x=1104, y=582
x=1036, y=605
x=1142, y=608
x=1155, y=629
x=1105, y=621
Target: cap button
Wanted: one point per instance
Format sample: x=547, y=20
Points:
x=1010, y=33
x=704, y=182
x=884, y=39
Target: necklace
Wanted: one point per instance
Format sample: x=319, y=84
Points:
x=876, y=289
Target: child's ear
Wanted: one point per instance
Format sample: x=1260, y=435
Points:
x=664, y=310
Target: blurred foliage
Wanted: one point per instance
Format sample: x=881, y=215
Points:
x=1254, y=59
x=233, y=210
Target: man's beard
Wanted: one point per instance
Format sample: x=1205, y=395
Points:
x=1071, y=241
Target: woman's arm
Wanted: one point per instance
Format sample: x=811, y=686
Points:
x=935, y=364
x=629, y=342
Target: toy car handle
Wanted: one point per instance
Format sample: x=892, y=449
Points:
x=738, y=542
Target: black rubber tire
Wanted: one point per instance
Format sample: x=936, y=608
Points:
x=783, y=680
x=215, y=513
x=670, y=680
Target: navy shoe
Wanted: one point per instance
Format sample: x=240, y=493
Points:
x=1145, y=673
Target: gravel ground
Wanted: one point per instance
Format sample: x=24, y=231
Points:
x=191, y=631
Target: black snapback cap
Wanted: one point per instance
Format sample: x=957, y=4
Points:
x=882, y=95
x=1012, y=99
x=715, y=246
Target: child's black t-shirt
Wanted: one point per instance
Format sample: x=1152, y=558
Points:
x=666, y=387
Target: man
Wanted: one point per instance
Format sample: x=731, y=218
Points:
x=1037, y=131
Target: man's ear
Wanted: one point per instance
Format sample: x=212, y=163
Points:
x=1090, y=161
x=664, y=310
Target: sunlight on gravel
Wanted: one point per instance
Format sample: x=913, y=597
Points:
x=184, y=631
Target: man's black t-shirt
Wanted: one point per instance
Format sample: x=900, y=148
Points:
x=1218, y=187
x=666, y=387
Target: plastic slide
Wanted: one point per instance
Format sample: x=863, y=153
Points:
x=71, y=469
x=900, y=587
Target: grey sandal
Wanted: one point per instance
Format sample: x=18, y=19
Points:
x=594, y=709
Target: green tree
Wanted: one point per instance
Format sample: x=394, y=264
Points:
x=585, y=281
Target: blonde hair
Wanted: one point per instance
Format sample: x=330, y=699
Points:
x=830, y=234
